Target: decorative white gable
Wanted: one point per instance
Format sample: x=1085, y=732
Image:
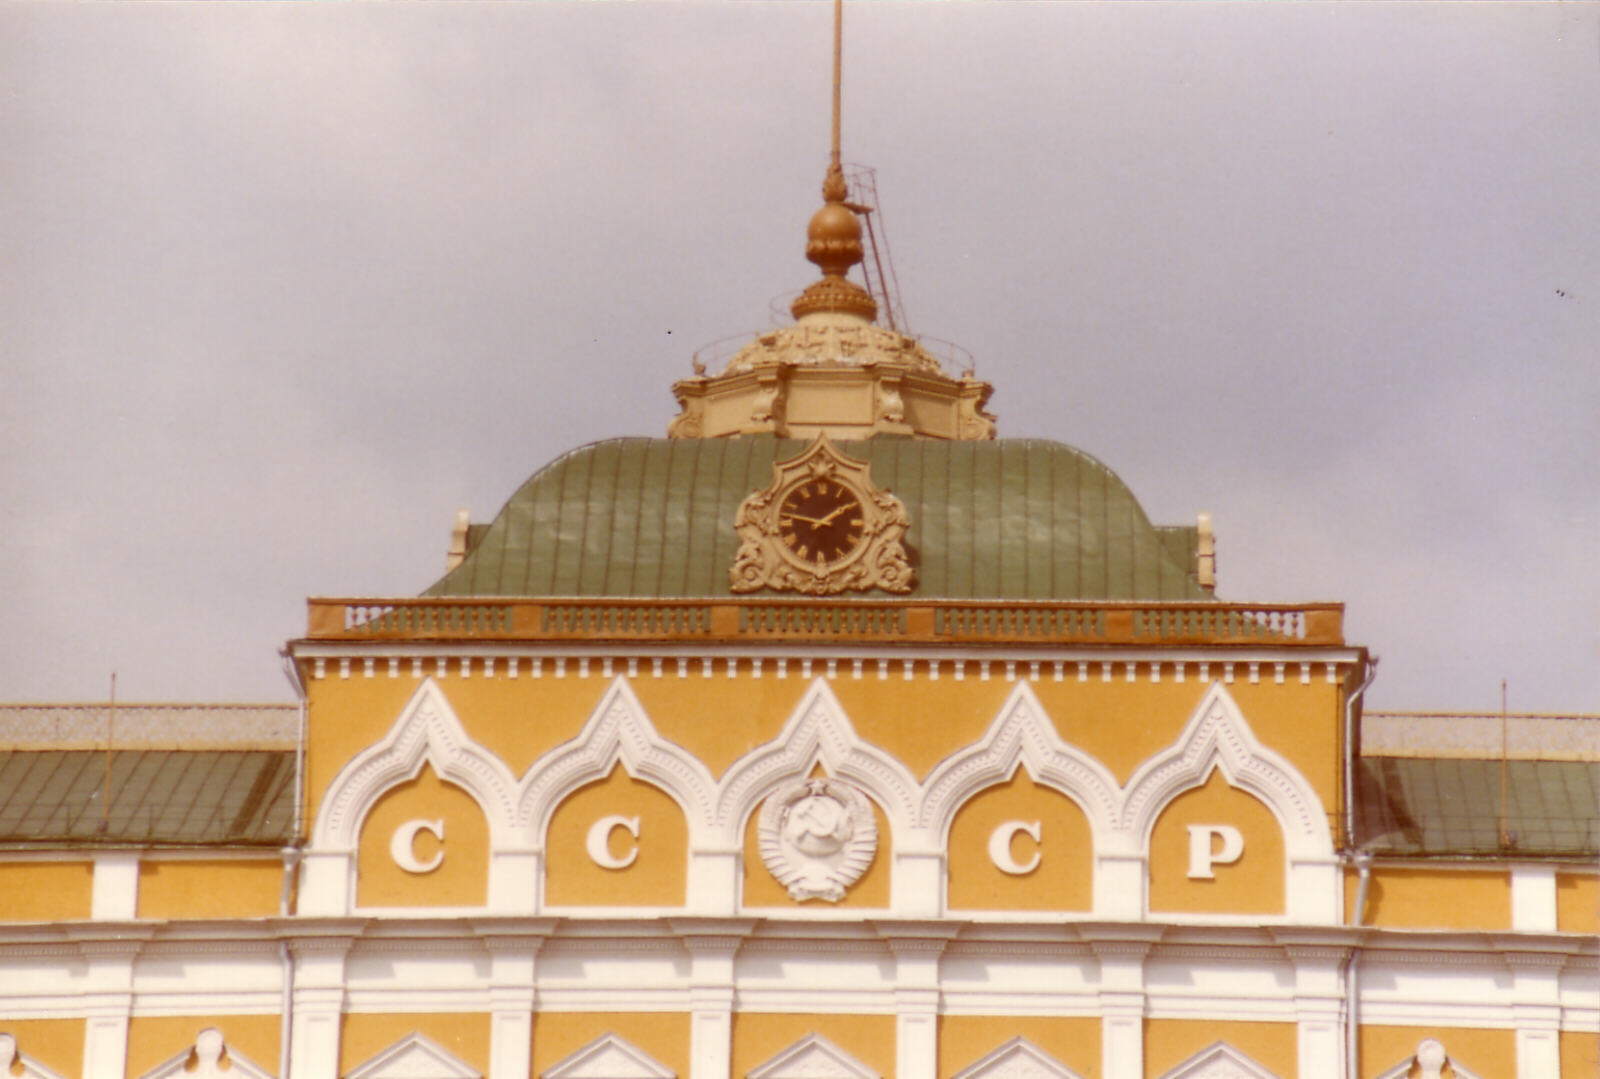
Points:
x=1220, y=1061
x=416, y=1056
x=813, y=1057
x=609, y=1057
x=9, y=1058
x=1430, y=1060
x=208, y=1051
x=1018, y=1059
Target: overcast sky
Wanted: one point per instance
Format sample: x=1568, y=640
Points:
x=283, y=286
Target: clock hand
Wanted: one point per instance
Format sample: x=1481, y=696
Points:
x=829, y=518
x=812, y=521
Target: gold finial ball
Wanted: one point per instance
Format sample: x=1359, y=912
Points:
x=833, y=239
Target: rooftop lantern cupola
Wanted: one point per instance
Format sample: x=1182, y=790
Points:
x=834, y=371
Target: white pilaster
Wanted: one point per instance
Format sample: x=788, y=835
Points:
x=1319, y=1008
x=1533, y=898
x=917, y=948
x=918, y=885
x=318, y=1005
x=512, y=954
x=713, y=884
x=713, y=946
x=1122, y=1005
x=1119, y=886
x=107, y=1004
x=115, y=895
x=513, y=881
x=1537, y=991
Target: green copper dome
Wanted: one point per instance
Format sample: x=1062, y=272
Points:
x=1007, y=519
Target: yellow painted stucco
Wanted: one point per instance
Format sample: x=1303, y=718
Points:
x=656, y=878
x=364, y=1035
x=1169, y=1042
x=760, y=1036
x=1489, y=1053
x=517, y=719
x=1252, y=885
x=761, y=888
x=1580, y=1054
x=1064, y=877
x=209, y=888
x=462, y=878
x=1122, y=724
x=45, y=891
x=920, y=720
x=663, y=1035
x=155, y=1039
x=55, y=1043
x=966, y=1039
x=1577, y=903
x=1410, y=897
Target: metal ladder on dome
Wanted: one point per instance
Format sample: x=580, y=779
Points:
x=862, y=184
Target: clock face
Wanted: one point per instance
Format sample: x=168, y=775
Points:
x=821, y=521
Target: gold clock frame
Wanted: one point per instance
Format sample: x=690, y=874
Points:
x=764, y=561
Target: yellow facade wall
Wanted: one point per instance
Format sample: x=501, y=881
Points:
x=663, y=1035
x=1064, y=877
x=760, y=1036
x=966, y=1039
x=1580, y=1054
x=364, y=1035
x=46, y=891
x=1577, y=903
x=55, y=1043
x=517, y=719
x=921, y=721
x=462, y=876
x=153, y=1039
x=1409, y=897
x=1169, y=1042
x=209, y=888
x=761, y=888
x=1490, y=1053
x=658, y=874
x=1254, y=884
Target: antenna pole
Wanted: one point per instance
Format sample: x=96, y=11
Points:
x=838, y=52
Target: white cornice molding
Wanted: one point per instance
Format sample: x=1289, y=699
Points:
x=813, y=1057
x=1219, y=1061
x=426, y=732
x=1017, y=1059
x=414, y=1055
x=1218, y=737
x=618, y=730
x=10, y=1058
x=609, y=1057
x=818, y=731
x=208, y=1051
x=1021, y=733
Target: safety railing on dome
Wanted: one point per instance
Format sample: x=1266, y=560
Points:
x=1040, y=622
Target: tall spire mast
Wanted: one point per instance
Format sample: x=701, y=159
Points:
x=833, y=239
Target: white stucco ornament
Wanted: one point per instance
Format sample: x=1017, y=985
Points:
x=817, y=837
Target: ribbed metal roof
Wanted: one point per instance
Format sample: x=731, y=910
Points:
x=1452, y=806
x=157, y=796
x=1011, y=519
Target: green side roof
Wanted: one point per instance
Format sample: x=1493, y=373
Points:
x=1010, y=519
x=1452, y=807
x=157, y=796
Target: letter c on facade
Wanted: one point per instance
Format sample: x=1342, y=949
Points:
x=403, y=846
x=599, y=842
x=1000, y=847
x=1201, y=855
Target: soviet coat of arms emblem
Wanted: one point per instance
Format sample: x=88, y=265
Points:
x=817, y=837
